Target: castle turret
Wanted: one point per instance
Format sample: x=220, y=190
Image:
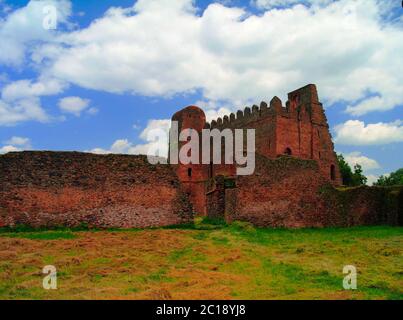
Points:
x=192, y=175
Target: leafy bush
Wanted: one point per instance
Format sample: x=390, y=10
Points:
x=394, y=179
x=350, y=178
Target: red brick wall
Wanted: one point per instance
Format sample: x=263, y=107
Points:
x=289, y=192
x=62, y=188
x=69, y=188
x=365, y=205
x=196, y=191
x=222, y=198
x=216, y=198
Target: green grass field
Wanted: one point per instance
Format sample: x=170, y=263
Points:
x=209, y=260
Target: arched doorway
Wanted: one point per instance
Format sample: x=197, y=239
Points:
x=288, y=152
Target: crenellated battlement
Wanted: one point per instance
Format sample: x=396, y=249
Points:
x=242, y=116
x=298, y=106
x=250, y=114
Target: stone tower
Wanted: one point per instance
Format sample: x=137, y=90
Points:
x=192, y=176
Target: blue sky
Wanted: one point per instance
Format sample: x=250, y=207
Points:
x=113, y=70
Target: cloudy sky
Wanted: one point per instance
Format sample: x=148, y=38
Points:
x=109, y=71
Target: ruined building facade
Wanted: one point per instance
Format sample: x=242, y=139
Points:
x=294, y=182
x=299, y=129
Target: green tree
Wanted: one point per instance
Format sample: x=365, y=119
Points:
x=394, y=179
x=351, y=178
x=345, y=170
x=358, y=176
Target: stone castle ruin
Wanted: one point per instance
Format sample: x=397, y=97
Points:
x=295, y=182
x=299, y=130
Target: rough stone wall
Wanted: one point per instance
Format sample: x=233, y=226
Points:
x=196, y=191
x=231, y=202
x=216, y=199
x=289, y=192
x=222, y=197
x=71, y=189
x=366, y=205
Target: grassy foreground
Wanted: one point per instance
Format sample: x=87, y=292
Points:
x=205, y=261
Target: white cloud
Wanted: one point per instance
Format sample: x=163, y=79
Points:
x=74, y=105
x=21, y=89
x=230, y=54
x=366, y=163
x=371, y=179
x=19, y=141
x=121, y=146
x=212, y=114
x=156, y=138
x=98, y=151
x=6, y=149
x=355, y=132
x=151, y=143
x=24, y=26
x=20, y=100
x=214, y=108
x=20, y=111
x=16, y=144
x=268, y=4
x=155, y=124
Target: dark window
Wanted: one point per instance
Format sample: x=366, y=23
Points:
x=189, y=172
x=332, y=172
x=288, y=152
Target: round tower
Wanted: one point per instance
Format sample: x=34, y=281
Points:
x=193, y=175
